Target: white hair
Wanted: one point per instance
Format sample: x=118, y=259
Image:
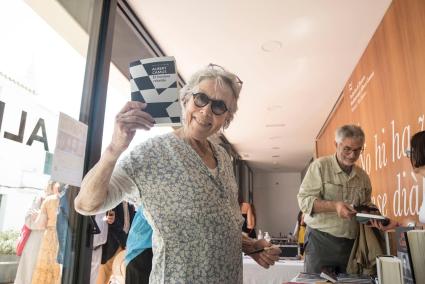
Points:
x=349, y=131
x=222, y=77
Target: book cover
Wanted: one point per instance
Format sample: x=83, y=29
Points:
x=328, y=277
x=389, y=270
x=154, y=81
x=415, y=241
x=403, y=254
x=364, y=218
x=304, y=277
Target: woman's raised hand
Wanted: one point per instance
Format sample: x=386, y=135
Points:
x=127, y=121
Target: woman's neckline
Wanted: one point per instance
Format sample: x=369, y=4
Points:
x=214, y=153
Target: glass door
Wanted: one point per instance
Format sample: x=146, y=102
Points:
x=42, y=64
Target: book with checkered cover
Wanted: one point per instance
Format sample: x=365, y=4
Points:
x=154, y=81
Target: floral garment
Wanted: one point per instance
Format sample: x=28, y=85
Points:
x=47, y=269
x=195, y=216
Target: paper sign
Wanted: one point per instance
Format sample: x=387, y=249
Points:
x=68, y=158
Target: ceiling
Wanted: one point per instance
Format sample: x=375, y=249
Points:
x=294, y=57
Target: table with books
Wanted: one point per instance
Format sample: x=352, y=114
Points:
x=282, y=271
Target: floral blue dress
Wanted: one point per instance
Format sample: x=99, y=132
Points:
x=194, y=215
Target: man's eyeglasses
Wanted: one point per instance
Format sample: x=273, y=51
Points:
x=218, y=107
x=348, y=151
x=237, y=80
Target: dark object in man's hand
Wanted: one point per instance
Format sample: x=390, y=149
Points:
x=386, y=222
x=366, y=208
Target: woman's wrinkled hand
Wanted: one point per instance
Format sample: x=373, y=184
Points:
x=267, y=257
x=127, y=121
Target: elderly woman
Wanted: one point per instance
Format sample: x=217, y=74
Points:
x=185, y=184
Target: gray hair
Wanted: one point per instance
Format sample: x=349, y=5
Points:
x=222, y=77
x=349, y=131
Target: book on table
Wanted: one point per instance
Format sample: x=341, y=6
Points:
x=415, y=242
x=154, y=81
x=317, y=278
x=389, y=270
x=330, y=278
x=304, y=277
x=403, y=254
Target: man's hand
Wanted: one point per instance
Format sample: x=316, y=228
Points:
x=110, y=218
x=377, y=224
x=344, y=210
x=267, y=257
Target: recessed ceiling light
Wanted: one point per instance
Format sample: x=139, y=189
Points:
x=275, y=156
x=276, y=125
x=271, y=45
x=275, y=148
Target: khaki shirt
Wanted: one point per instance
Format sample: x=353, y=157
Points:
x=325, y=180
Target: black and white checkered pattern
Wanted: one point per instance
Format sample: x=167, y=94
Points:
x=154, y=81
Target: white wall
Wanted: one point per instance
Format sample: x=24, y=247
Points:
x=275, y=200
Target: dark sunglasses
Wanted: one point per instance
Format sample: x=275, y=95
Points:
x=218, y=107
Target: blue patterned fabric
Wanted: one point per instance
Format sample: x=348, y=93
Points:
x=139, y=236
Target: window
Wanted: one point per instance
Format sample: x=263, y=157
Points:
x=42, y=64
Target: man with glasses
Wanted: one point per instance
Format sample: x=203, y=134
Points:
x=332, y=187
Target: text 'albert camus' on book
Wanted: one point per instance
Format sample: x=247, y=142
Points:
x=154, y=81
